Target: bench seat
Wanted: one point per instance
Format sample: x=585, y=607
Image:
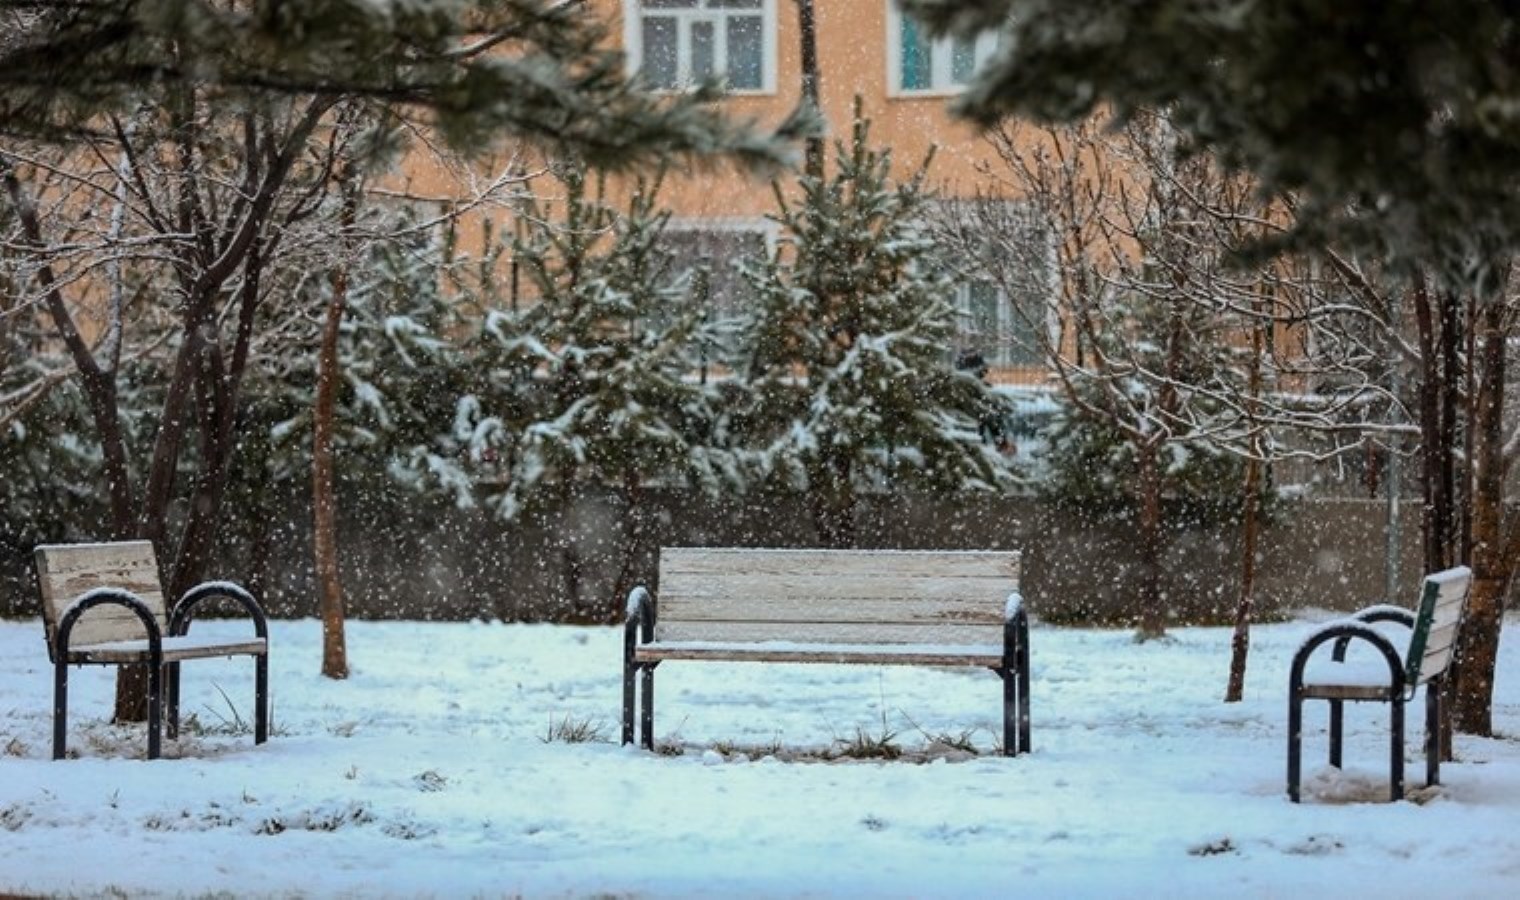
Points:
x=175, y=649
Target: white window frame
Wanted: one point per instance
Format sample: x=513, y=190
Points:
x=633, y=40
x=1004, y=347
x=941, y=77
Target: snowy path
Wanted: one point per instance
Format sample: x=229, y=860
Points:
x=427, y=773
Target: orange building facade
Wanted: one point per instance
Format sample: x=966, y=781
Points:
x=866, y=48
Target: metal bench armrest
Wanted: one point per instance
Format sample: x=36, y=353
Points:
x=1386, y=612
x=640, y=609
x=184, y=610
x=1342, y=632
x=107, y=597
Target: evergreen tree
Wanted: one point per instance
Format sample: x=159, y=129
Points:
x=845, y=355
x=590, y=383
x=596, y=365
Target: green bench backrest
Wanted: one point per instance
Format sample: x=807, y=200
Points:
x=1437, y=623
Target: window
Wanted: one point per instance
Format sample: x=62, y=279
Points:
x=922, y=64
x=992, y=329
x=719, y=249
x=678, y=43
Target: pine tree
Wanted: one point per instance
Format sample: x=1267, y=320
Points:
x=590, y=383
x=845, y=355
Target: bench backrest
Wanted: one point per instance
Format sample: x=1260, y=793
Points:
x=64, y=571
x=1433, y=643
x=954, y=598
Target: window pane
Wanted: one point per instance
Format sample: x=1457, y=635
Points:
x=733, y=4
x=659, y=62
x=917, y=57
x=962, y=60
x=983, y=298
x=669, y=4
x=704, y=52
x=719, y=251
x=745, y=45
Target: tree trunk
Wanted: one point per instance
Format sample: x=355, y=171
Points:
x=1432, y=511
x=1479, y=646
x=631, y=546
x=323, y=469
x=832, y=500
x=1240, y=640
x=807, y=29
x=1150, y=618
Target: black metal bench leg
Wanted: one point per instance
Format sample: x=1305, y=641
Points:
x=260, y=697
x=1023, y=677
x=630, y=699
x=172, y=690
x=1010, y=712
x=1433, y=732
x=155, y=709
x=60, y=708
x=1295, y=740
x=1396, y=751
x=1337, y=720
x=647, y=718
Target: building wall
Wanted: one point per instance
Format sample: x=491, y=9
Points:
x=853, y=52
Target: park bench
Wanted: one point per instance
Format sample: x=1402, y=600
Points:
x=102, y=604
x=1391, y=668
x=930, y=608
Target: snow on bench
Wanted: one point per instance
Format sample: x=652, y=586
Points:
x=102, y=604
x=1367, y=662
x=883, y=607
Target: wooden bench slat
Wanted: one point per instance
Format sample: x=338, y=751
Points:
x=174, y=649
x=771, y=607
x=823, y=584
x=982, y=656
x=883, y=563
x=1442, y=638
x=103, y=624
x=828, y=632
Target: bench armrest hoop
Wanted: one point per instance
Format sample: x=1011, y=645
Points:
x=1347, y=630
x=184, y=610
x=102, y=597
x=1015, y=629
x=1013, y=607
x=1385, y=612
x=641, y=613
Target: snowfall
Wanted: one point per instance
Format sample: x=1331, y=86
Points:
x=482, y=759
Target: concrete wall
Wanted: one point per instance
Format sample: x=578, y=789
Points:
x=409, y=563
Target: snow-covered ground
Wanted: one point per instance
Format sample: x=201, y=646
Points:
x=430, y=773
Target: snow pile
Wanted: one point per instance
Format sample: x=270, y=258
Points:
x=481, y=759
